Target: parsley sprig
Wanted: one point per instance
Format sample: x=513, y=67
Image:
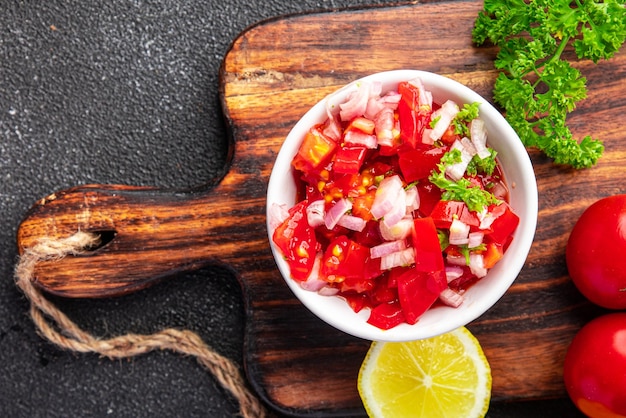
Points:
x=462, y=190
x=536, y=87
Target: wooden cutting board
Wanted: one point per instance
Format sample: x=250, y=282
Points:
x=272, y=74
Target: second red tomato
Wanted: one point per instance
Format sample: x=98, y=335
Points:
x=596, y=252
x=595, y=367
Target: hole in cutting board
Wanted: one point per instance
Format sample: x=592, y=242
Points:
x=105, y=238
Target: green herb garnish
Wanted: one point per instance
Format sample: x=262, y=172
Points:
x=462, y=190
x=536, y=87
x=482, y=165
x=466, y=115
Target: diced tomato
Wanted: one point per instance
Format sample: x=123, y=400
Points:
x=428, y=256
x=410, y=125
x=383, y=292
x=362, y=205
x=356, y=284
x=429, y=195
x=504, y=225
x=449, y=136
x=346, y=259
x=362, y=124
x=369, y=236
x=349, y=159
x=297, y=241
x=387, y=151
x=493, y=254
x=445, y=211
x=418, y=163
x=418, y=290
x=410, y=95
x=412, y=119
x=312, y=193
x=366, y=281
x=316, y=148
x=393, y=274
x=379, y=167
x=386, y=315
x=343, y=185
x=463, y=282
x=356, y=301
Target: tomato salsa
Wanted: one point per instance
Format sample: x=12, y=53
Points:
x=401, y=204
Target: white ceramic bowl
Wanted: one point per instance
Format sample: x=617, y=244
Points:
x=481, y=296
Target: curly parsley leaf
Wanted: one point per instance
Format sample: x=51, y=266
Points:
x=482, y=165
x=462, y=190
x=536, y=87
x=462, y=119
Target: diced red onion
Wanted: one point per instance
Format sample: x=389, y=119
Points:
x=328, y=291
x=333, y=128
x=456, y=260
x=478, y=134
x=315, y=213
x=277, y=215
x=398, y=211
x=356, y=102
x=373, y=108
x=425, y=96
x=468, y=146
x=426, y=136
x=451, y=298
x=500, y=191
x=356, y=137
x=391, y=99
x=453, y=273
x=443, y=116
x=398, y=259
x=386, y=248
x=459, y=232
x=475, y=239
x=477, y=265
x=351, y=222
x=456, y=171
x=400, y=230
x=376, y=104
x=336, y=212
x=376, y=88
x=486, y=219
x=385, y=197
x=412, y=199
x=384, y=124
x=314, y=283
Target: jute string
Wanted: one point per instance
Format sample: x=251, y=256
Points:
x=62, y=331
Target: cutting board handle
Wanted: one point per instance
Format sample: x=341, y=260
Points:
x=146, y=234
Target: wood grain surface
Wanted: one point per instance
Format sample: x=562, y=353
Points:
x=273, y=72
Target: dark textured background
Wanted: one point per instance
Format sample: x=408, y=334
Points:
x=122, y=92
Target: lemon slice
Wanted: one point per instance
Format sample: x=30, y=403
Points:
x=443, y=376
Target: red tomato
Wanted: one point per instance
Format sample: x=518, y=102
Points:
x=314, y=150
x=428, y=257
x=445, y=211
x=386, y=315
x=347, y=260
x=504, y=225
x=418, y=163
x=595, y=367
x=296, y=239
x=412, y=119
x=418, y=291
x=596, y=252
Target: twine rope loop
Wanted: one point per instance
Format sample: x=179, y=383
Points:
x=59, y=329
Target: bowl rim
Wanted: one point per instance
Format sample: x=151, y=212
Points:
x=524, y=200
